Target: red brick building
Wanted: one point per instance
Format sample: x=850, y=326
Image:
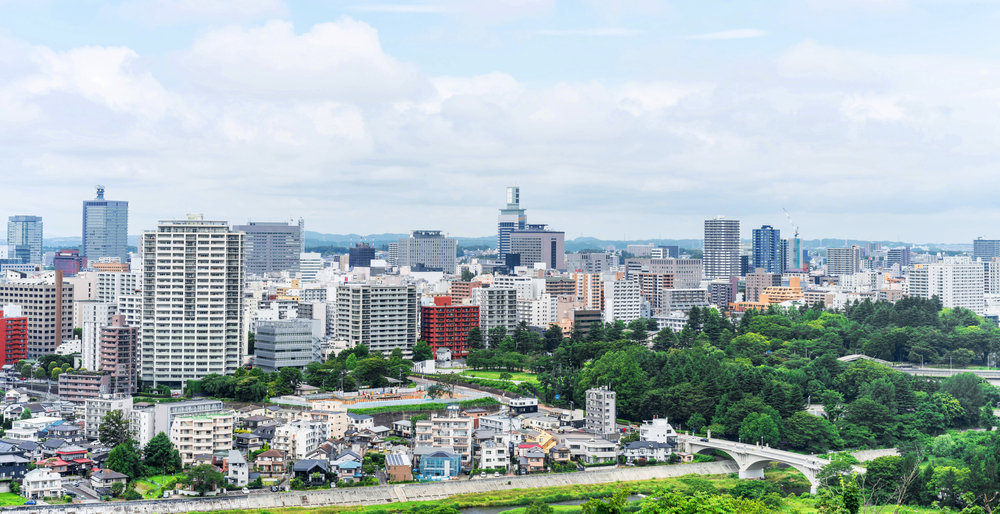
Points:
x=13, y=339
x=446, y=325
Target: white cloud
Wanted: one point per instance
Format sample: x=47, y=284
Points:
x=859, y=108
x=730, y=34
x=166, y=12
x=592, y=32
x=402, y=8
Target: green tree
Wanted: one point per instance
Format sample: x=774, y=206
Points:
x=422, y=352
x=26, y=413
x=40, y=373
x=467, y=275
x=538, y=507
x=54, y=374
x=969, y=390
x=125, y=459
x=351, y=362
x=760, y=428
x=117, y=489
x=291, y=376
x=495, y=335
x=813, y=434
x=114, y=429
x=474, y=339
x=613, y=505
x=553, y=338
x=160, y=455
x=204, y=478
x=26, y=370
x=249, y=389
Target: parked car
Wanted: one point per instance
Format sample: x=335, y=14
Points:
x=245, y=490
x=31, y=502
x=274, y=488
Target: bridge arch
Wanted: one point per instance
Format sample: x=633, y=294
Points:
x=755, y=469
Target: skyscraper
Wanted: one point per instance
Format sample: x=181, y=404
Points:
x=24, y=237
x=985, y=249
x=511, y=218
x=192, y=296
x=428, y=250
x=721, y=256
x=843, y=261
x=767, y=249
x=105, y=228
x=272, y=247
x=537, y=244
x=360, y=255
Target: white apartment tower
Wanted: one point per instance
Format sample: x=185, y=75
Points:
x=497, y=307
x=721, y=256
x=843, y=261
x=957, y=282
x=622, y=299
x=192, y=294
x=601, y=411
x=380, y=316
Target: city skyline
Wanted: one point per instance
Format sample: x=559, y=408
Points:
x=633, y=121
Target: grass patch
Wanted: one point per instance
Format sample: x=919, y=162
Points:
x=418, y=407
x=7, y=499
x=495, y=375
x=152, y=487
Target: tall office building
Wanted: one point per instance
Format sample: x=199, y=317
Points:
x=105, y=228
x=49, y=312
x=360, y=255
x=536, y=244
x=985, y=249
x=428, y=250
x=901, y=256
x=283, y=344
x=767, y=249
x=24, y=238
x=956, y=281
x=511, y=218
x=665, y=252
x=382, y=317
x=272, y=247
x=192, y=300
x=843, y=261
x=721, y=256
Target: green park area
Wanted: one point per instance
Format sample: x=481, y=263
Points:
x=8, y=499
x=500, y=375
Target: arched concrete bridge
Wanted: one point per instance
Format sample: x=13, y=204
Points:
x=752, y=458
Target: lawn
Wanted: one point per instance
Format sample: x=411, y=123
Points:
x=151, y=487
x=495, y=375
x=11, y=499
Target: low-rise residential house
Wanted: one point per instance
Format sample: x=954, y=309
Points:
x=202, y=434
x=15, y=395
x=541, y=422
x=499, y=423
x=492, y=455
x=102, y=480
x=658, y=430
x=440, y=464
x=560, y=453
x=265, y=433
x=403, y=428
x=238, y=473
x=12, y=466
x=524, y=448
x=646, y=450
x=28, y=429
x=531, y=461
x=42, y=483
x=347, y=470
x=311, y=471
x=598, y=450
x=55, y=464
x=247, y=442
x=67, y=432
x=336, y=420
x=520, y=406
x=271, y=463
x=252, y=422
x=300, y=437
x=31, y=450
x=360, y=422
x=398, y=467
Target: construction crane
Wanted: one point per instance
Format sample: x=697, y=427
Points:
x=789, y=218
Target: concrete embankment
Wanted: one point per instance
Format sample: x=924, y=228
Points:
x=382, y=494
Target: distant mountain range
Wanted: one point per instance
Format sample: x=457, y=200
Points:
x=315, y=239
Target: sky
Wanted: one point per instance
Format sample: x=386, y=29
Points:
x=868, y=119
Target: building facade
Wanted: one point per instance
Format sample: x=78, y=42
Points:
x=105, y=228
x=444, y=325
x=202, y=434
x=497, y=308
x=360, y=255
x=284, y=343
x=536, y=244
x=271, y=247
x=843, y=261
x=721, y=255
x=24, y=239
x=511, y=218
x=985, y=249
x=767, y=253
x=13, y=338
x=380, y=316
x=119, y=356
x=428, y=250
x=49, y=309
x=601, y=411
x=192, y=308
x=957, y=282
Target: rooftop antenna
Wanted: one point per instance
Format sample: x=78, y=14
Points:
x=100, y=192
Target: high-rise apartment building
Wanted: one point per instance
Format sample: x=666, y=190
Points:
x=428, y=250
x=49, y=309
x=511, y=218
x=497, y=307
x=380, y=316
x=536, y=244
x=192, y=300
x=592, y=262
x=310, y=264
x=601, y=411
x=13, y=338
x=767, y=249
x=721, y=255
x=985, y=249
x=286, y=343
x=119, y=356
x=956, y=281
x=24, y=238
x=360, y=255
x=444, y=325
x=901, y=256
x=622, y=301
x=686, y=272
x=271, y=247
x=105, y=228
x=757, y=282
x=92, y=316
x=843, y=261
